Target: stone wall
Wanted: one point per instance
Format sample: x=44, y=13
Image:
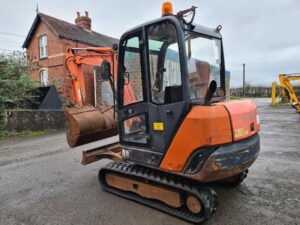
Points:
x=33, y=120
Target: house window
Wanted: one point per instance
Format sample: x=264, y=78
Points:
x=43, y=46
x=44, y=77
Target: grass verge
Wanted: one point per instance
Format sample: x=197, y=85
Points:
x=235, y=98
x=5, y=134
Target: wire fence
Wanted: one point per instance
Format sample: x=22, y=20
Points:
x=258, y=92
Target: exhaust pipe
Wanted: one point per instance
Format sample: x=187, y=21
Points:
x=210, y=92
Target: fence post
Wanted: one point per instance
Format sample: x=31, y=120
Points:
x=274, y=84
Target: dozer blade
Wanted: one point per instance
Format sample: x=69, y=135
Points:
x=89, y=124
x=111, y=151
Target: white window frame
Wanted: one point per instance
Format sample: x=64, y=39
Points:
x=44, y=78
x=43, y=46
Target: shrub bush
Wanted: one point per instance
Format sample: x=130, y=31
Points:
x=16, y=86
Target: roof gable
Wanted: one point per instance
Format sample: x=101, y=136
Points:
x=63, y=29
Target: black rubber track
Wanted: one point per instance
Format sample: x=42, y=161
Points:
x=237, y=181
x=206, y=195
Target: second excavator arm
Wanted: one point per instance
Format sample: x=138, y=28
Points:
x=285, y=83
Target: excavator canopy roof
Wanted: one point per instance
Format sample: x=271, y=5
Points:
x=193, y=27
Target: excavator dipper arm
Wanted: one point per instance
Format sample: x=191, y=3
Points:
x=74, y=64
x=88, y=123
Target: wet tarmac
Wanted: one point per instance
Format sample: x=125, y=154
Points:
x=43, y=182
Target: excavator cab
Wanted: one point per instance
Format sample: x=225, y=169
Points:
x=170, y=65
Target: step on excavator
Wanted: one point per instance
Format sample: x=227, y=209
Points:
x=177, y=133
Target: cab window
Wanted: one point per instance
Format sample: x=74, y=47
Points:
x=204, y=65
x=165, y=71
x=132, y=72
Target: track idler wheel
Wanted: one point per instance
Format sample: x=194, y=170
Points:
x=193, y=204
x=205, y=204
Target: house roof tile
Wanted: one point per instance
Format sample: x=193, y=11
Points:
x=63, y=29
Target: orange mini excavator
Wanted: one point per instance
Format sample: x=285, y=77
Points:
x=177, y=134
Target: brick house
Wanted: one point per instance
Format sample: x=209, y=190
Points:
x=47, y=42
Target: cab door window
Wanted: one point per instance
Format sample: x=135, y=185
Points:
x=133, y=124
x=132, y=73
x=165, y=71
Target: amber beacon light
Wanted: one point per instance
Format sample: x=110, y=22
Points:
x=167, y=8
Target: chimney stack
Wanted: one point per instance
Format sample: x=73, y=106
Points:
x=84, y=22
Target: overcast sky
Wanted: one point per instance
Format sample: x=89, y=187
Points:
x=264, y=34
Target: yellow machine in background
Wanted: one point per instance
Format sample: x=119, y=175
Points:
x=288, y=90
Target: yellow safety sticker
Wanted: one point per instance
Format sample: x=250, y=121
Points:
x=158, y=126
x=240, y=132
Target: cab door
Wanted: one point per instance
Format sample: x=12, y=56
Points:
x=132, y=92
x=151, y=98
x=168, y=95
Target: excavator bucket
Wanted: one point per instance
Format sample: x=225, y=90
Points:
x=89, y=124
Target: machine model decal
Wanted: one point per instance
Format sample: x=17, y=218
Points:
x=240, y=132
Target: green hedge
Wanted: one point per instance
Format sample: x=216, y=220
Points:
x=16, y=84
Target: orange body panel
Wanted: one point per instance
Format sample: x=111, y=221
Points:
x=203, y=126
x=243, y=114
